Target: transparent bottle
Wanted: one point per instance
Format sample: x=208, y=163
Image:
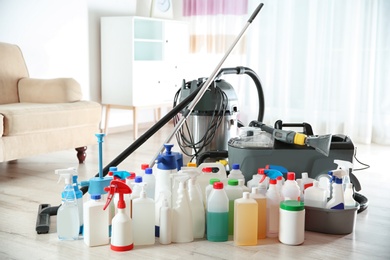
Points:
x=261, y=200
x=217, y=214
x=233, y=192
x=245, y=221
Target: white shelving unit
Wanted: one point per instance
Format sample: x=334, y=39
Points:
x=142, y=63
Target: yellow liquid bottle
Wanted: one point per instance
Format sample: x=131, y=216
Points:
x=245, y=221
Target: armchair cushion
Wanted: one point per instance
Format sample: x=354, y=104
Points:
x=60, y=90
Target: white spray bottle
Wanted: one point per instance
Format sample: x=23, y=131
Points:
x=337, y=198
x=122, y=232
x=68, y=223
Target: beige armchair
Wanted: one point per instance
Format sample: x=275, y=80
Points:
x=39, y=116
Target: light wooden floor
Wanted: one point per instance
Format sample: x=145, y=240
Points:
x=26, y=183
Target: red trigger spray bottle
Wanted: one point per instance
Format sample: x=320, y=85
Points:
x=122, y=233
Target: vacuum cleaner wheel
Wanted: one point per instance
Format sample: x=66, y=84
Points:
x=362, y=200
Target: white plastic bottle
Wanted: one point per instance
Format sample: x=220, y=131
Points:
x=217, y=214
x=96, y=221
x=315, y=196
x=261, y=201
x=68, y=223
x=273, y=201
x=165, y=223
x=143, y=219
x=233, y=191
x=245, y=221
x=182, y=231
x=138, y=183
x=235, y=172
x=279, y=183
x=150, y=179
x=290, y=189
x=292, y=222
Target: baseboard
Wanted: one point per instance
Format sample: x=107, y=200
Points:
x=129, y=128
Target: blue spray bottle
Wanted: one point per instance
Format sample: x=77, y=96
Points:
x=68, y=222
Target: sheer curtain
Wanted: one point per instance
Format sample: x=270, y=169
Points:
x=324, y=62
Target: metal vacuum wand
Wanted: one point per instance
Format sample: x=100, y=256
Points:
x=206, y=85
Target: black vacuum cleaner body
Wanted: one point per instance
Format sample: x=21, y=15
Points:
x=255, y=149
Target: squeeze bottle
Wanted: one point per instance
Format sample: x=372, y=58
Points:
x=273, y=201
x=245, y=221
x=182, y=228
x=68, y=223
x=290, y=189
x=197, y=209
x=261, y=201
x=217, y=214
x=143, y=213
x=96, y=222
x=315, y=196
x=165, y=223
x=233, y=192
x=122, y=233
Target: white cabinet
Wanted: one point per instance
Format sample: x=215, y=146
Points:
x=142, y=59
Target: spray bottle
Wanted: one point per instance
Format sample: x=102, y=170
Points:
x=337, y=200
x=143, y=218
x=79, y=198
x=182, y=231
x=122, y=233
x=68, y=223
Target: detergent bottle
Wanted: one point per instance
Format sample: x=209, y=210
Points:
x=68, y=223
x=122, y=176
x=261, y=201
x=122, y=230
x=185, y=172
x=165, y=223
x=290, y=189
x=349, y=201
x=245, y=221
x=345, y=166
x=96, y=222
x=197, y=209
x=143, y=213
x=217, y=214
x=182, y=228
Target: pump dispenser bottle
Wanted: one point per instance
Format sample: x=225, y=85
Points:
x=122, y=232
x=68, y=223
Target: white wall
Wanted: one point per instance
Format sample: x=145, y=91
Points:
x=52, y=34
